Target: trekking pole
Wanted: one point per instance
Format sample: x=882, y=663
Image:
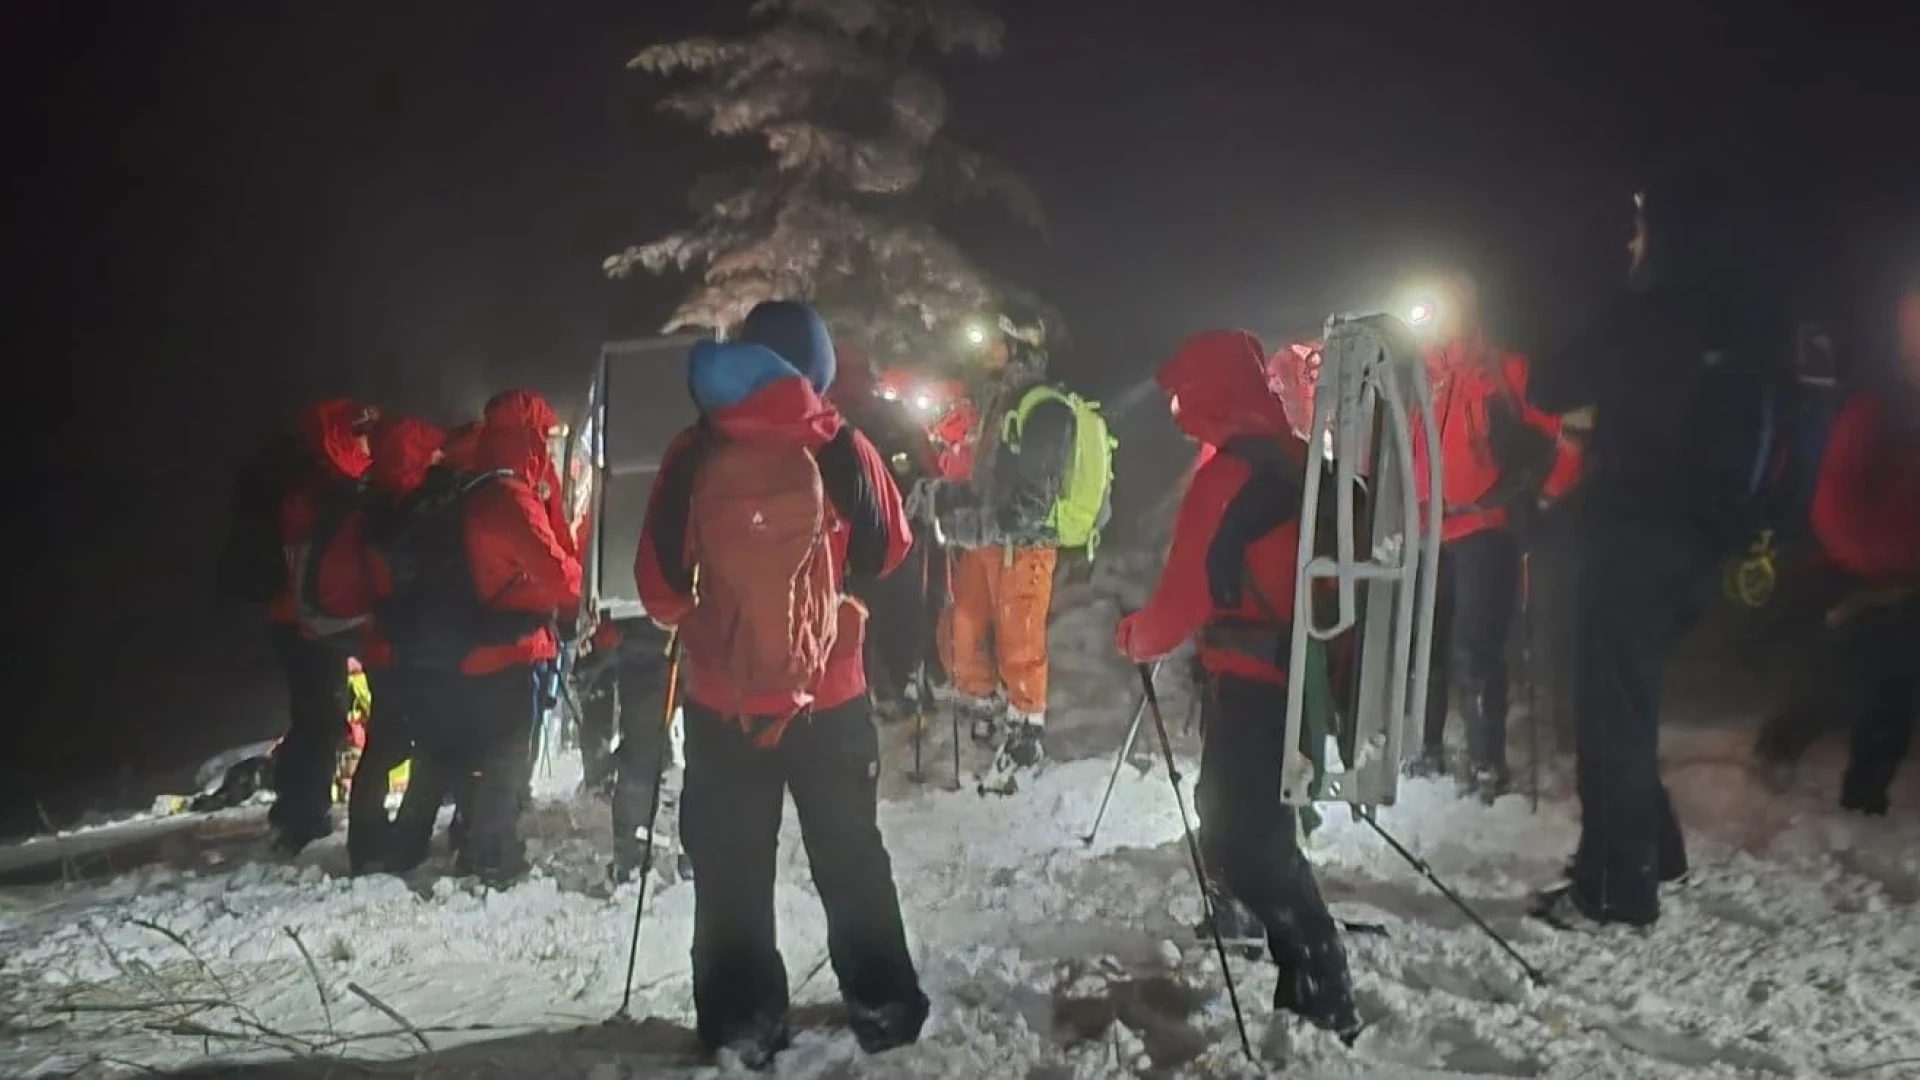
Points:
x=1119, y=761
x=1152, y=701
x=1527, y=672
x=653, y=816
x=923, y=691
x=1533, y=973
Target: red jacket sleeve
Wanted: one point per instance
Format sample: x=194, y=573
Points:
x=518, y=563
x=889, y=510
x=662, y=570
x=1567, y=458
x=1866, y=507
x=1182, y=601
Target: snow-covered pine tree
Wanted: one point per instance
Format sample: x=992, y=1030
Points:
x=841, y=212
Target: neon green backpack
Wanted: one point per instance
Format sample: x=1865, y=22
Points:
x=1083, y=507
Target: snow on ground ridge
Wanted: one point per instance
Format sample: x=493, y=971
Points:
x=1796, y=955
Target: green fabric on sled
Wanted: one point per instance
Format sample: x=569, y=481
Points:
x=1319, y=718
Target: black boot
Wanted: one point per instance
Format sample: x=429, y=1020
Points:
x=887, y=1027
x=1318, y=987
x=1240, y=930
x=1429, y=763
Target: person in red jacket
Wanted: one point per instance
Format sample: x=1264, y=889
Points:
x=467, y=579
x=745, y=754
x=1499, y=457
x=528, y=410
x=405, y=452
x=303, y=766
x=1229, y=583
x=1866, y=513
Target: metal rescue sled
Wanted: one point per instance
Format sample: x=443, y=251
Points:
x=636, y=404
x=1381, y=563
x=1383, y=569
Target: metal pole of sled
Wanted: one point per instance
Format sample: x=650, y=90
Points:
x=1534, y=974
x=653, y=816
x=1151, y=699
x=1120, y=761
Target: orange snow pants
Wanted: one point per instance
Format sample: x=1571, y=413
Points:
x=996, y=627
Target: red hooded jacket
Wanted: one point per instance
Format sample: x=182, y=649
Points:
x=1217, y=385
x=1866, y=502
x=1469, y=387
x=528, y=410
x=869, y=533
x=334, y=434
x=404, y=449
x=516, y=562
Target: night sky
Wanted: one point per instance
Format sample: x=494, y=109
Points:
x=225, y=209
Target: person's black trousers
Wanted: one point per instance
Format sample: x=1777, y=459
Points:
x=304, y=764
x=1251, y=840
x=730, y=825
x=1641, y=588
x=898, y=626
x=389, y=742
x=1478, y=588
x=1886, y=647
x=472, y=743
x=645, y=751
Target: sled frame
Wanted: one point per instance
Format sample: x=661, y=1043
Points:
x=1372, y=381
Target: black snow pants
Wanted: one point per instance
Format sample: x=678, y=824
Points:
x=389, y=742
x=898, y=626
x=1641, y=588
x=472, y=743
x=1886, y=648
x=645, y=751
x=1478, y=587
x=1251, y=840
x=730, y=824
x=304, y=764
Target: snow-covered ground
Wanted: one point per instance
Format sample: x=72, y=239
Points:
x=1794, y=953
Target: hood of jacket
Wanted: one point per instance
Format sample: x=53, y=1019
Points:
x=1217, y=385
x=797, y=333
x=517, y=448
x=749, y=392
x=523, y=408
x=334, y=432
x=404, y=449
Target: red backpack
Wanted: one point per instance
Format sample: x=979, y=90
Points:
x=769, y=598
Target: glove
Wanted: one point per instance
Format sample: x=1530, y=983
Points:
x=922, y=499
x=1123, y=638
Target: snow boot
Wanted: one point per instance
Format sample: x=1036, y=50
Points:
x=290, y=840
x=1241, y=931
x=983, y=716
x=1428, y=764
x=1026, y=739
x=1487, y=784
x=629, y=853
x=756, y=1047
x=887, y=1027
x=1318, y=988
x=1563, y=908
